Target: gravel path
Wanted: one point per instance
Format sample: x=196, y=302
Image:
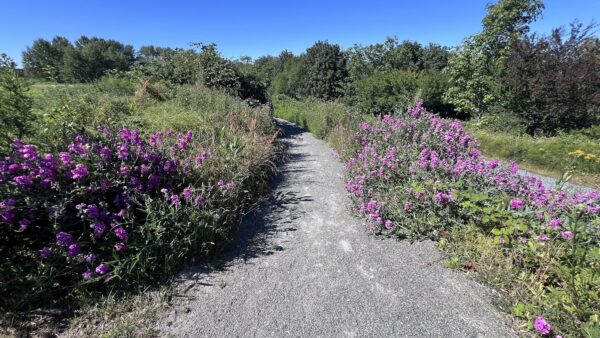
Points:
x=303, y=266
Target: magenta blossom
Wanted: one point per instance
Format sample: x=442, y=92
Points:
x=542, y=326
x=516, y=204
x=24, y=224
x=121, y=233
x=568, y=235
x=45, y=253
x=102, y=269
x=388, y=224
x=64, y=239
x=187, y=193
x=87, y=274
x=120, y=246
x=79, y=172
x=74, y=250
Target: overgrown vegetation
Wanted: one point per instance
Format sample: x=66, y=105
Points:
x=116, y=184
x=118, y=166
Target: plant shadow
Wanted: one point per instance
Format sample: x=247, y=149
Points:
x=274, y=214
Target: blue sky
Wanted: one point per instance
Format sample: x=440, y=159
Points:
x=258, y=28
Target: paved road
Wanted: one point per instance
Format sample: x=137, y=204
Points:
x=303, y=266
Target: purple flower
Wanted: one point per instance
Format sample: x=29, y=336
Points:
x=64, y=239
x=106, y=153
x=87, y=274
x=542, y=326
x=169, y=165
x=442, y=198
x=93, y=211
x=14, y=168
x=79, y=172
x=175, y=200
x=501, y=239
x=27, y=152
x=102, y=269
x=45, y=253
x=523, y=240
x=407, y=207
x=123, y=152
x=187, y=193
x=388, y=224
x=543, y=238
x=124, y=171
x=121, y=233
x=99, y=228
x=568, y=235
x=120, y=246
x=555, y=223
x=24, y=181
x=516, y=204
x=24, y=223
x=74, y=250
x=198, y=201
x=65, y=158
x=7, y=216
x=90, y=258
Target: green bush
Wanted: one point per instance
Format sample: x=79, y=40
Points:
x=386, y=92
x=15, y=105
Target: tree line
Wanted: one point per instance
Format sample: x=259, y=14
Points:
x=548, y=83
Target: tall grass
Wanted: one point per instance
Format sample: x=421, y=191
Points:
x=331, y=121
x=547, y=155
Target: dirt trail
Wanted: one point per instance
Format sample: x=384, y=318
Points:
x=303, y=266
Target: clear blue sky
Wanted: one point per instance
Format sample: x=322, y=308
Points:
x=258, y=28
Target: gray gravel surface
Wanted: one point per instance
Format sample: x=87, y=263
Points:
x=303, y=266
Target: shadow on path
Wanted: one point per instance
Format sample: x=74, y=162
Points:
x=276, y=213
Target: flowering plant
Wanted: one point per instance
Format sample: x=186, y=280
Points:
x=417, y=175
x=109, y=208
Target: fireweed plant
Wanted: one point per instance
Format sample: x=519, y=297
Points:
x=418, y=176
x=112, y=209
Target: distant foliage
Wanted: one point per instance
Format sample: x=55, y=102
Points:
x=327, y=70
x=84, y=61
x=554, y=81
x=386, y=92
x=15, y=104
x=476, y=68
x=392, y=55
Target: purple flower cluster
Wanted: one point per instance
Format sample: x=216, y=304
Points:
x=90, y=192
x=416, y=161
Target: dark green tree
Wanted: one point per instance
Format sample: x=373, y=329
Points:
x=44, y=59
x=92, y=57
x=327, y=70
